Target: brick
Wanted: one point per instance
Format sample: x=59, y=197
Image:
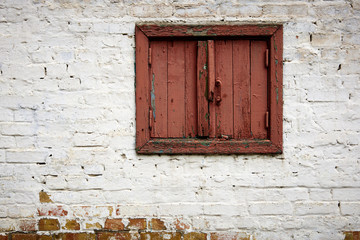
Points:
x=25, y=157
x=44, y=197
x=195, y=236
x=114, y=224
x=75, y=236
x=44, y=237
x=160, y=236
x=346, y=194
x=326, y=40
x=71, y=225
x=270, y=208
x=46, y=224
x=156, y=224
x=22, y=236
x=95, y=225
x=27, y=225
x=350, y=208
x=50, y=210
x=117, y=236
x=136, y=224
x=229, y=236
x=309, y=208
x=3, y=237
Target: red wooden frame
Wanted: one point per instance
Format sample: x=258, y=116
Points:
x=146, y=145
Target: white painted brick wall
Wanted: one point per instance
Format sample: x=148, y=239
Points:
x=67, y=121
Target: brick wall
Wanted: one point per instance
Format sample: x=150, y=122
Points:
x=68, y=168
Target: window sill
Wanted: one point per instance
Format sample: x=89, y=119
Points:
x=205, y=146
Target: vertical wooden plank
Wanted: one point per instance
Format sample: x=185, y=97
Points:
x=276, y=92
x=202, y=90
x=211, y=92
x=223, y=65
x=158, y=89
x=241, y=72
x=142, y=88
x=190, y=89
x=259, y=104
x=176, y=89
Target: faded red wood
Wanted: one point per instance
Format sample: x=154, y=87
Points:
x=207, y=30
x=241, y=78
x=158, y=90
x=176, y=89
x=202, y=92
x=142, y=90
x=275, y=90
x=259, y=89
x=224, y=110
x=190, y=88
x=214, y=146
x=211, y=92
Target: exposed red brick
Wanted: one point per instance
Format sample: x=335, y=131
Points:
x=72, y=225
x=352, y=235
x=44, y=237
x=117, y=236
x=23, y=236
x=3, y=237
x=114, y=224
x=229, y=236
x=52, y=211
x=157, y=224
x=160, y=236
x=27, y=225
x=75, y=236
x=195, y=236
x=48, y=224
x=136, y=224
x=93, y=225
x=181, y=225
x=44, y=197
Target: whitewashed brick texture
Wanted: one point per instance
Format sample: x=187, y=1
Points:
x=67, y=122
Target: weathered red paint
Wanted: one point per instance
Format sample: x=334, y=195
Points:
x=143, y=90
x=276, y=88
x=224, y=110
x=212, y=90
x=241, y=88
x=158, y=89
x=202, y=90
x=190, y=88
x=259, y=89
x=176, y=89
x=207, y=30
x=211, y=146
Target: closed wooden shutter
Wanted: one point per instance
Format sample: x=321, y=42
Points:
x=209, y=89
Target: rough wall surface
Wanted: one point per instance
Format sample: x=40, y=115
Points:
x=67, y=118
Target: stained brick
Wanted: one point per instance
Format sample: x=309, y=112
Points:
x=52, y=211
x=44, y=197
x=117, y=236
x=229, y=236
x=75, y=236
x=195, y=236
x=160, y=236
x=44, y=237
x=136, y=224
x=114, y=224
x=48, y=224
x=72, y=225
x=157, y=224
x=21, y=236
x=27, y=225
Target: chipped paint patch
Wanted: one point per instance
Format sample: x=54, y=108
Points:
x=152, y=93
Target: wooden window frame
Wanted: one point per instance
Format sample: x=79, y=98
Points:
x=146, y=145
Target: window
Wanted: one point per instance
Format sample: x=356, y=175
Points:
x=208, y=89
